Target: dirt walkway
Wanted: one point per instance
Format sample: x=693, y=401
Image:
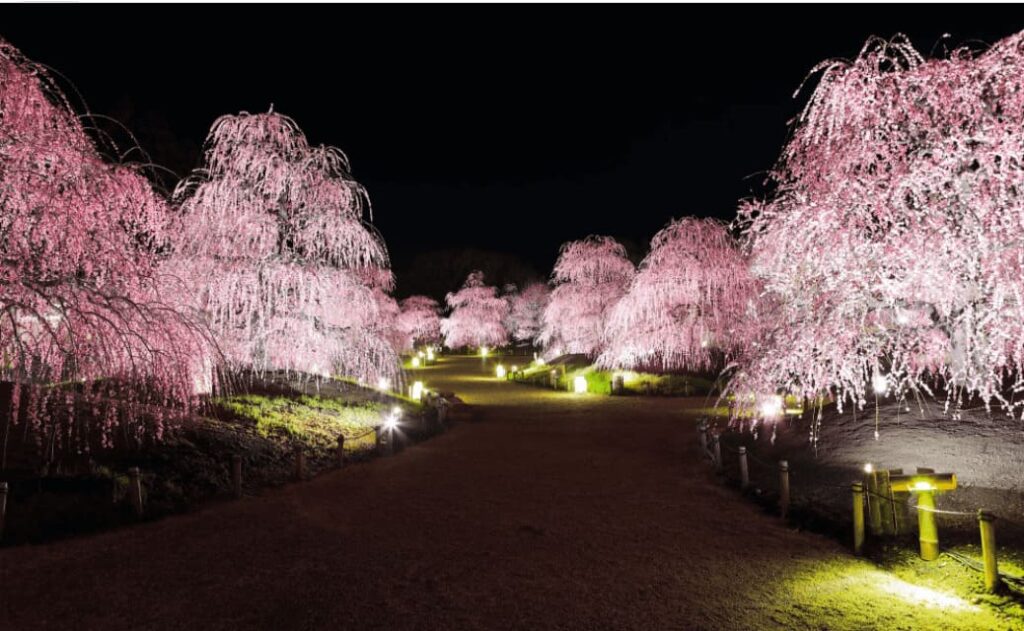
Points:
x=547, y=511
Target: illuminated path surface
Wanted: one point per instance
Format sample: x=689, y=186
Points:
x=548, y=511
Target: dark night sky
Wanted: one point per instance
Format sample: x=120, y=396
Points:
x=511, y=128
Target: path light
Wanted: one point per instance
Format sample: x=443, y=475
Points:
x=415, y=362
x=515, y=368
x=417, y=390
x=430, y=354
x=483, y=351
x=500, y=371
x=924, y=485
x=383, y=383
x=391, y=421
x=579, y=384
x=771, y=407
x=868, y=468
x=539, y=361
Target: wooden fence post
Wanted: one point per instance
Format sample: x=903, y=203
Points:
x=702, y=436
x=784, y=488
x=3, y=508
x=300, y=463
x=744, y=471
x=396, y=441
x=442, y=414
x=236, y=475
x=858, y=518
x=986, y=521
x=341, y=451
x=874, y=503
x=135, y=490
x=716, y=441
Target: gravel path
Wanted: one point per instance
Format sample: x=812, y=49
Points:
x=541, y=510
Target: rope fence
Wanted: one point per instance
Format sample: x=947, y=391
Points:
x=389, y=439
x=862, y=494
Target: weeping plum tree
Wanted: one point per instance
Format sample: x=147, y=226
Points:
x=477, y=315
x=894, y=244
x=686, y=306
x=526, y=312
x=386, y=323
x=80, y=262
x=589, y=277
x=419, y=321
x=284, y=264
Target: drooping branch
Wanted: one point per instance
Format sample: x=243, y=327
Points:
x=81, y=255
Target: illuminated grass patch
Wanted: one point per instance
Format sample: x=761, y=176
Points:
x=316, y=421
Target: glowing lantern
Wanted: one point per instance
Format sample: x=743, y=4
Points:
x=417, y=390
x=539, y=361
x=420, y=354
x=515, y=368
x=579, y=384
x=771, y=407
x=880, y=384
x=391, y=420
x=868, y=468
x=500, y=371
x=430, y=354
x=483, y=351
x=415, y=362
